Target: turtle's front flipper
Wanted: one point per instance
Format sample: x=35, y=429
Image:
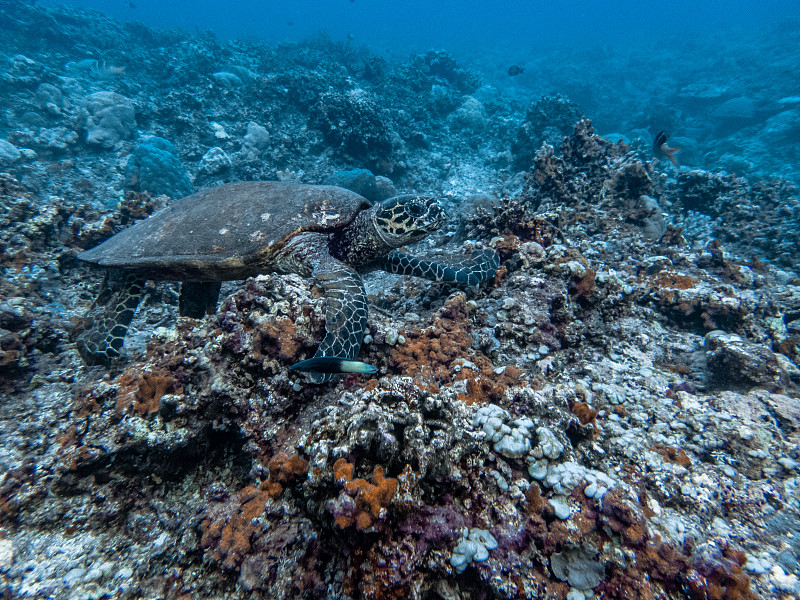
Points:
x=106, y=322
x=345, y=314
x=472, y=271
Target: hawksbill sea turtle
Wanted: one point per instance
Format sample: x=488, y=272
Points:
x=241, y=230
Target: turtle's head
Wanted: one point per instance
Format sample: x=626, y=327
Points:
x=406, y=219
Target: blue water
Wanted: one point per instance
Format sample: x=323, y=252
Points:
x=632, y=67
x=404, y=25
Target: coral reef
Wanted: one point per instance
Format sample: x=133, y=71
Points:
x=771, y=208
x=111, y=118
x=548, y=120
x=615, y=415
x=354, y=124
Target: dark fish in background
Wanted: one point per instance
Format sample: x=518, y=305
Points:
x=515, y=70
x=131, y=5
x=333, y=364
x=661, y=149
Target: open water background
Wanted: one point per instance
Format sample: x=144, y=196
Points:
x=460, y=26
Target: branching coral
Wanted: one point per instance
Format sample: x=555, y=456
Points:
x=513, y=218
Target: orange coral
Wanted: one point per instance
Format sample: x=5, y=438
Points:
x=343, y=470
x=486, y=386
x=430, y=352
x=231, y=537
x=373, y=495
x=371, y=499
x=283, y=469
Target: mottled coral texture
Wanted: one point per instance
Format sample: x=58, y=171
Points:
x=430, y=354
x=230, y=526
x=228, y=536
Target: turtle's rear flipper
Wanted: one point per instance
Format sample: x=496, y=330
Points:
x=198, y=298
x=345, y=314
x=105, y=324
x=474, y=270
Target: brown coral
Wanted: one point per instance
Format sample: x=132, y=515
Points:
x=672, y=454
x=430, y=354
x=11, y=349
x=585, y=413
x=143, y=392
x=673, y=280
x=486, y=385
x=284, y=336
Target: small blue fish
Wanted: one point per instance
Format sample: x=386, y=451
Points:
x=333, y=364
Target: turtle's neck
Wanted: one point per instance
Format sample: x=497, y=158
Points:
x=359, y=243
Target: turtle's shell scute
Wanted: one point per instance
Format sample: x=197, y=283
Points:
x=218, y=229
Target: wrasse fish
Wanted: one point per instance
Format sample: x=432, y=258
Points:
x=661, y=149
x=333, y=364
